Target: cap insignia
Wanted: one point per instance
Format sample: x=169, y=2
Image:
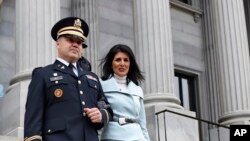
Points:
x=78, y=23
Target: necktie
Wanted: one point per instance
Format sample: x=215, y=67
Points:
x=73, y=68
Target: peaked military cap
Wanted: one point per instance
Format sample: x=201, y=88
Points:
x=71, y=26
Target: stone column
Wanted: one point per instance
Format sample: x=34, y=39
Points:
x=233, y=64
x=247, y=12
x=87, y=10
x=34, y=47
x=154, y=50
x=212, y=84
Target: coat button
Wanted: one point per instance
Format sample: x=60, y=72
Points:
x=79, y=82
x=49, y=131
x=83, y=103
x=81, y=92
x=84, y=114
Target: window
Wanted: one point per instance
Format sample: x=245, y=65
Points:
x=186, y=1
x=185, y=90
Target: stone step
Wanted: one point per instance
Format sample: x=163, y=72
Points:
x=8, y=138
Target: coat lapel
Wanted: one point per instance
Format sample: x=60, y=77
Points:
x=110, y=85
x=134, y=89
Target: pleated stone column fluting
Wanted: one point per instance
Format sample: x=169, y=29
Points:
x=247, y=11
x=154, y=51
x=233, y=64
x=34, y=47
x=211, y=62
x=87, y=10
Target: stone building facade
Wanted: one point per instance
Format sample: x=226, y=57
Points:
x=194, y=55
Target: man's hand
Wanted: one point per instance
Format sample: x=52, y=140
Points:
x=94, y=114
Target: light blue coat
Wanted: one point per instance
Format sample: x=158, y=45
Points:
x=125, y=104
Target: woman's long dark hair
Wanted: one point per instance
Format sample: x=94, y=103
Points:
x=134, y=73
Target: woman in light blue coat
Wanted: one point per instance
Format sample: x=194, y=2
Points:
x=120, y=82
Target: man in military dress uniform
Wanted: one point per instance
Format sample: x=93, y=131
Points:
x=65, y=102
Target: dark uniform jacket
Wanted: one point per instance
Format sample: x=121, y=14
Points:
x=55, y=102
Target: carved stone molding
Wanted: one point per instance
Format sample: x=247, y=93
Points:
x=197, y=13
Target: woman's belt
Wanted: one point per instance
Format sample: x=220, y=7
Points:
x=123, y=120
